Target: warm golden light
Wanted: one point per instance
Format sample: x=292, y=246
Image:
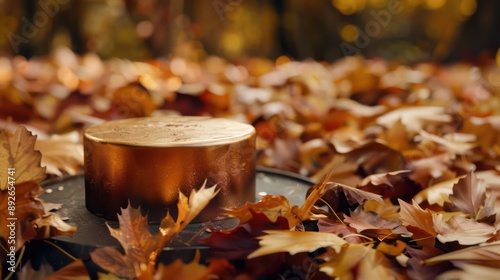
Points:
x=349, y=32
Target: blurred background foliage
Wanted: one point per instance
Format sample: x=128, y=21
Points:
x=438, y=30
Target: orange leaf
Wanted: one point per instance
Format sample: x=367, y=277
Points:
x=419, y=222
x=356, y=261
x=272, y=206
x=75, y=270
x=135, y=238
x=140, y=246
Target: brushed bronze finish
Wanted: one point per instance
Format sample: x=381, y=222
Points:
x=147, y=161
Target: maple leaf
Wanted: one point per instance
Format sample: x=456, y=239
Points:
x=437, y=194
x=140, y=246
x=419, y=222
x=273, y=206
x=371, y=224
x=61, y=153
x=17, y=151
x=32, y=220
x=462, y=229
x=136, y=240
x=356, y=261
x=294, y=242
x=187, y=211
x=469, y=196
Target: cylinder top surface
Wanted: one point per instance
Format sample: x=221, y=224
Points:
x=170, y=131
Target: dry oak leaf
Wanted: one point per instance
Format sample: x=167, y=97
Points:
x=176, y=270
x=293, y=242
x=140, y=246
x=487, y=254
x=356, y=261
x=419, y=222
x=469, y=196
x=273, y=206
x=462, y=229
x=17, y=151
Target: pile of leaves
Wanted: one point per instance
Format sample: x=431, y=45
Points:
x=31, y=215
x=407, y=160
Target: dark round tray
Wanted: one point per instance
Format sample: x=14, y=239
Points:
x=92, y=231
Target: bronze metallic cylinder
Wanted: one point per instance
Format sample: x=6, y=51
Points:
x=147, y=161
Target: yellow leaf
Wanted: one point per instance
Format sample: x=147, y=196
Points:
x=17, y=151
x=438, y=193
x=61, y=153
x=295, y=242
x=356, y=261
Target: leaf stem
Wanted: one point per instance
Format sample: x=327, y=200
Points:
x=61, y=250
x=333, y=211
